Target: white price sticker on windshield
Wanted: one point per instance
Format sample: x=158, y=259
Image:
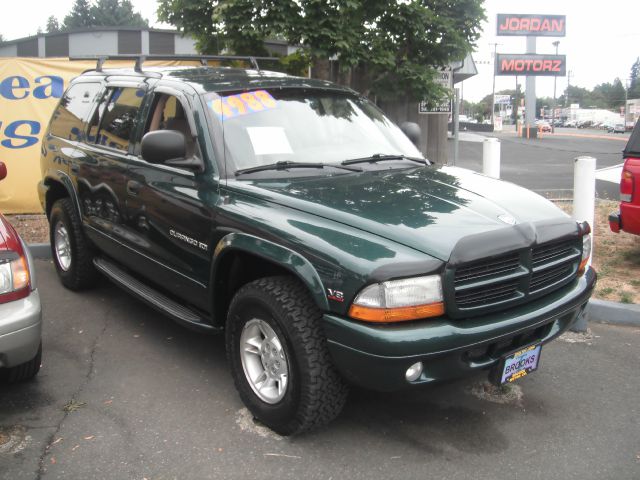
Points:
x=269, y=140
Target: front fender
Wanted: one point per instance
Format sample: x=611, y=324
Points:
x=279, y=255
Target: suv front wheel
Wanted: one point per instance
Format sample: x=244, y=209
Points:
x=72, y=252
x=279, y=357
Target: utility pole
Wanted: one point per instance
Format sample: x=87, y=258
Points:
x=569, y=74
x=553, y=113
x=493, y=92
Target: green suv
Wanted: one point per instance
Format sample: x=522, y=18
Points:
x=293, y=215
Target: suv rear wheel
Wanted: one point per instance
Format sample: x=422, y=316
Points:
x=72, y=252
x=279, y=358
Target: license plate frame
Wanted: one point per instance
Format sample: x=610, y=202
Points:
x=508, y=369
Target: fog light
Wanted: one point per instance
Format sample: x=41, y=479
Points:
x=413, y=372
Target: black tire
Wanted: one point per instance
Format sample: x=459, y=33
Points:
x=315, y=393
x=81, y=274
x=24, y=371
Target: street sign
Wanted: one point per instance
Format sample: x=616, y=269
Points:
x=510, y=24
x=531, y=65
x=445, y=79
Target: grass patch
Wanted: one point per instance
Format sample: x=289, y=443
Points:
x=625, y=297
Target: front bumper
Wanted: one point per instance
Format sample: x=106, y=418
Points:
x=377, y=357
x=20, y=330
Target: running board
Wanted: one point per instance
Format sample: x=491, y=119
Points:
x=154, y=298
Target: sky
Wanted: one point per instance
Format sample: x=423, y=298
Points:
x=602, y=42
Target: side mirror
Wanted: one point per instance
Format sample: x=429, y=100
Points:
x=160, y=146
x=413, y=132
x=3, y=171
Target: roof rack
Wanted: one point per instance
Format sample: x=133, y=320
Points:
x=140, y=59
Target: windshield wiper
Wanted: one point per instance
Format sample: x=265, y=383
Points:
x=378, y=157
x=285, y=165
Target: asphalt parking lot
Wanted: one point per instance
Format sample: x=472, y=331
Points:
x=546, y=164
x=124, y=393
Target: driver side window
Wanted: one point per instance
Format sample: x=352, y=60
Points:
x=168, y=113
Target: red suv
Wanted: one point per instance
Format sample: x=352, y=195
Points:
x=628, y=219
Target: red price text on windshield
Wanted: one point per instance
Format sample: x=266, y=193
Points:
x=242, y=104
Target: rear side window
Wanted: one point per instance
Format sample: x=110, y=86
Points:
x=73, y=110
x=633, y=145
x=119, y=115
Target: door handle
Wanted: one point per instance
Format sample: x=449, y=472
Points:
x=133, y=187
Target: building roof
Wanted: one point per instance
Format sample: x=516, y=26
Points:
x=91, y=30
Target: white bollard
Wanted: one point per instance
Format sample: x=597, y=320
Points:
x=584, y=192
x=584, y=206
x=491, y=157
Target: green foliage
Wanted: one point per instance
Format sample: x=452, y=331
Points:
x=634, y=86
x=195, y=18
x=80, y=16
x=116, y=13
x=52, y=25
x=392, y=48
x=605, y=95
x=104, y=13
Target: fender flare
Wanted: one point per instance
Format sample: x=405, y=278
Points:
x=67, y=183
x=279, y=255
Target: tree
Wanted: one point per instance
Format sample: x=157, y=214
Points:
x=634, y=86
x=104, y=13
x=115, y=13
x=79, y=17
x=390, y=48
x=1, y=38
x=52, y=25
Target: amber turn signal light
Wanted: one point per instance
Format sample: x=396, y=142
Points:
x=398, y=314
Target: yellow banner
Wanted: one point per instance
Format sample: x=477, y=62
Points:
x=30, y=89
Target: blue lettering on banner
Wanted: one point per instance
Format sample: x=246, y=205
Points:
x=27, y=140
x=54, y=88
x=18, y=88
x=10, y=88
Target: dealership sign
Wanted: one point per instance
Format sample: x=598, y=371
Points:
x=533, y=25
x=502, y=99
x=531, y=65
x=444, y=78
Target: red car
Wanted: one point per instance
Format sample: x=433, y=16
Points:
x=20, y=311
x=628, y=219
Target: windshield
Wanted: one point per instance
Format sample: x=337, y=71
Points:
x=264, y=127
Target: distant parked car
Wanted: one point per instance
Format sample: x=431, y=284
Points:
x=20, y=311
x=543, y=125
x=618, y=128
x=628, y=218
x=571, y=124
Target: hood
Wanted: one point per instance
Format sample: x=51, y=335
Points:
x=428, y=209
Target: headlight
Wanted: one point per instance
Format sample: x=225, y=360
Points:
x=14, y=276
x=399, y=300
x=586, y=252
